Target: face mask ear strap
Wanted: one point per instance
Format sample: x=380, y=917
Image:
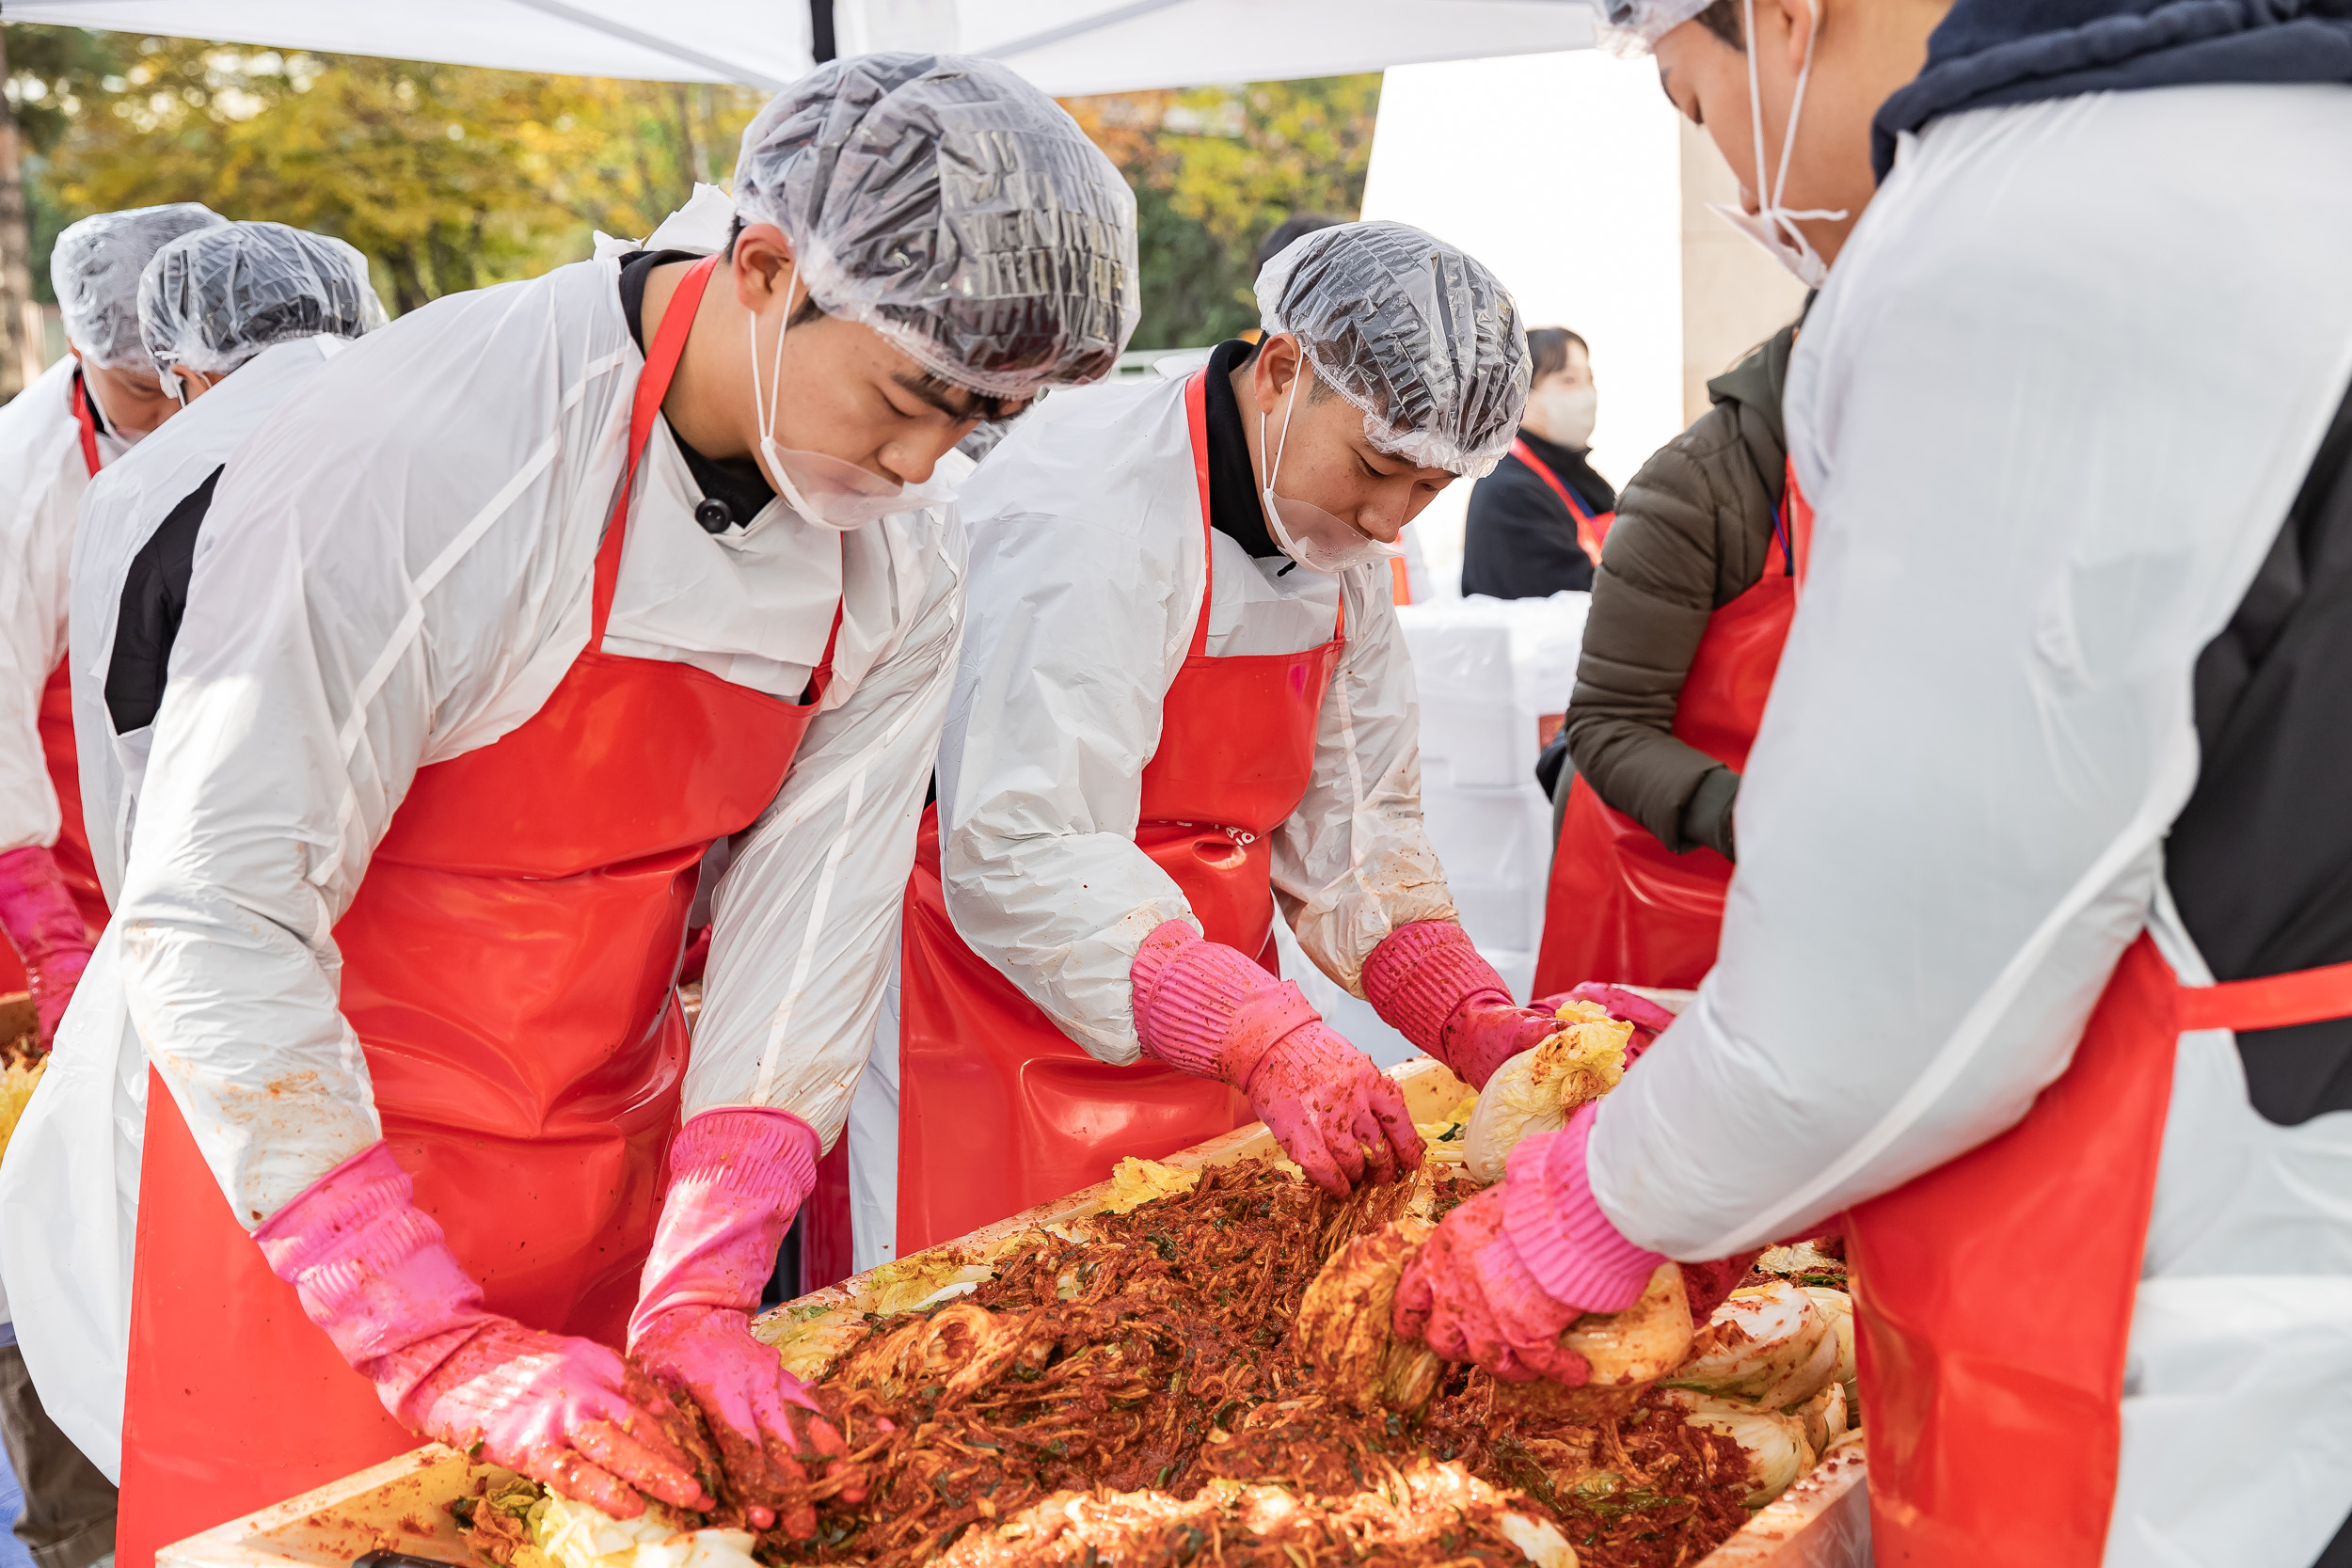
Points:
x=1796, y=109
x=1765, y=199
x=1282, y=441
x=1777, y=219
x=775, y=367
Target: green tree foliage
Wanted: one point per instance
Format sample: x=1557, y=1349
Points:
x=1217, y=170
x=451, y=177
x=446, y=177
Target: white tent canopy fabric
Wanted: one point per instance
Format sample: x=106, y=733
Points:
x=1064, y=46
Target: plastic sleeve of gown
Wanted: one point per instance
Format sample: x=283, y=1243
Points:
x=806, y=917
x=123, y=507
x=42, y=475
x=1086, y=586
x=396, y=571
x=1952, y=820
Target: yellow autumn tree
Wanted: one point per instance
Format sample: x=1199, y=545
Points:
x=1217, y=170
x=446, y=177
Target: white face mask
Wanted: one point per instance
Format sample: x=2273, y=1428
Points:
x=1773, y=225
x=1307, y=533
x=1563, y=414
x=826, y=490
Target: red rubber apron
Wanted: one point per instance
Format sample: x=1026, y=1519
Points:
x=56, y=723
x=1623, y=908
x=1994, y=1295
x=998, y=1110
x=507, y=964
x=1591, y=528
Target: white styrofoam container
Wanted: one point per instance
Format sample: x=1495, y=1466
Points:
x=1495, y=915
x=1474, y=743
x=1498, y=835
x=1487, y=670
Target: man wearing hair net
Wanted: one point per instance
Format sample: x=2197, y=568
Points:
x=1183, y=698
x=2036, y=968
x=81, y=416
x=237, y=299
x=526, y=602
x=84, y=413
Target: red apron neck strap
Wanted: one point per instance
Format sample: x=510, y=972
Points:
x=653, y=384
x=822, y=675
x=1196, y=420
x=84, y=416
x=1797, y=513
x=2273, y=1002
x=1587, y=533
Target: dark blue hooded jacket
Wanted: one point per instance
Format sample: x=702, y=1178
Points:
x=1989, y=53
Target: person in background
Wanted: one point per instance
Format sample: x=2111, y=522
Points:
x=2037, y=974
x=1537, y=523
x=208, y=303
x=86, y=411
x=1281, y=238
x=1690, y=608
x=81, y=416
x=211, y=304
x=1185, y=710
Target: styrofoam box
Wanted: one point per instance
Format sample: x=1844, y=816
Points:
x=1496, y=914
x=1467, y=743
x=1490, y=836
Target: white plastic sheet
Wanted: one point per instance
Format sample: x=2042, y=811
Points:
x=1064, y=46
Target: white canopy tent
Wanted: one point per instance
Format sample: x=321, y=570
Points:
x=1065, y=46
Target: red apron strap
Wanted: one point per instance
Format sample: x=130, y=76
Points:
x=1588, y=537
x=1798, y=513
x=83, y=416
x=822, y=675
x=653, y=384
x=2273, y=1002
x=1196, y=420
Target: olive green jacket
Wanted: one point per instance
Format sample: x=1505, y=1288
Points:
x=1692, y=532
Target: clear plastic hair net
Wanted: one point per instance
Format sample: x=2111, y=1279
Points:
x=213, y=299
x=1632, y=27
x=1414, y=332
x=95, y=269
x=955, y=209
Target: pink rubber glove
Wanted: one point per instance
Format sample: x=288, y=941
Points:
x=374, y=1272
x=1648, y=1019
x=1203, y=1008
x=40, y=918
x=1510, y=1269
x=1427, y=982
x=737, y=1177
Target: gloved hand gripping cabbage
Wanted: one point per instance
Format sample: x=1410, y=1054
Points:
x=701, y=1417
x=1530, y=1281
